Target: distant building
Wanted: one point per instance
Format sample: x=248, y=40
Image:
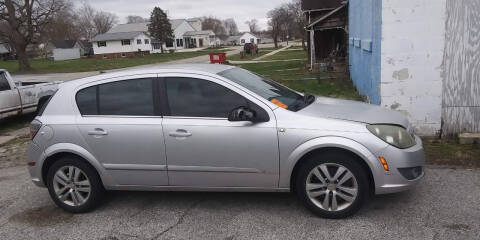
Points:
x=242, y=39
x=129, y=40
x=64, y=50
x=4, y=51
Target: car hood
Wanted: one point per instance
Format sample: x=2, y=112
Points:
x=353, y=111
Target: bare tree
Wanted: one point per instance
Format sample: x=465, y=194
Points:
x=91, y=22
x=299, y=20
x=26, y=20
x=63, y=25
x=253, y=25
x=136, y=19
x=214, y=24
x=230, y=27
x=275, y=22
x=104, y=21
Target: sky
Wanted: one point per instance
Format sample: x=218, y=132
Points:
x=240, y=10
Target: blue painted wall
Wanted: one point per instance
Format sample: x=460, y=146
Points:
x=365, y=33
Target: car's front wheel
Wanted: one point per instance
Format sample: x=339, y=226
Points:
x=332, y=185
x=74, y=185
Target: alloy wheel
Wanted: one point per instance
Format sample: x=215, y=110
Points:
x=71, y=186
x=331, y=187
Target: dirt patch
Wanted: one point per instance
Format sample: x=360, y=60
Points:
x=457, y=227
x=14, y=153
x=451, y=153
x=42, y=216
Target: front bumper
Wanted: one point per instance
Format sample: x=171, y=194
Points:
x=393, y=180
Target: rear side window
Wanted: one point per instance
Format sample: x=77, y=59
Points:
x=123, y=98
x=191, y=97
x=3, y=82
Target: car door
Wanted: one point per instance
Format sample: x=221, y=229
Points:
x=204, y=149
x=122, y=127
x=9, y=98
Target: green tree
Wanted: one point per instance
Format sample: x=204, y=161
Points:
x=160, y=28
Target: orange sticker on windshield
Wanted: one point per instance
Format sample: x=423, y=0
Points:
x=278, y=103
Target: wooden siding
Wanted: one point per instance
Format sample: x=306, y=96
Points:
x=461, y=76
x=320, y=4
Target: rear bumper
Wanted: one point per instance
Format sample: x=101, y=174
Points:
x=34, y=154
x=393, y=180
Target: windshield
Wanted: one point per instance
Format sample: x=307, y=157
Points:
x=268, y=89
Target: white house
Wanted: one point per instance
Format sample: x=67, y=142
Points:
x=128, y=40
x=242, y=39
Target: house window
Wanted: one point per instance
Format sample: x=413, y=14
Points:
x=125, y=42
x=102, y=44
x=156, y=45
x=139, y=41
x=243, y=41
x=147, y=41
x=252, y=40
x=169, y=43
x=179, y=42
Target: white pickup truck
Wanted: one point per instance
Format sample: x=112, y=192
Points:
x=23, y=97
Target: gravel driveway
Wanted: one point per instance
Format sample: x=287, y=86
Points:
x=446, y=205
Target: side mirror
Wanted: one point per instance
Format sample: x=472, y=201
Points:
x=242, y=114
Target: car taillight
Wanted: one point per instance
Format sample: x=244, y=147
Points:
x=35, y=126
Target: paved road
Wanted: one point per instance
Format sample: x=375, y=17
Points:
x=445, y=206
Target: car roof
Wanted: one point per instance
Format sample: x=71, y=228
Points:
x=207, y=69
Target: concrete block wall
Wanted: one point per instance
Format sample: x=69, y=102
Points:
x=412, y=49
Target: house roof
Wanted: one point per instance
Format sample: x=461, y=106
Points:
x=326, y=16
x=236, y=38
x=196, y=33
x=63, y=43
x=141, y=27
x=233, y=38
x=116, y=36
x=3, y=48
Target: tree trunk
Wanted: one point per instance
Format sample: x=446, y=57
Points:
x=23, y=62
x=161, y=47
x=303, y=42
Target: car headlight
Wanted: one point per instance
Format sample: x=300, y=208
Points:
x=393, y=135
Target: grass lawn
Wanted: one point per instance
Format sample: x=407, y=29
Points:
x=288, y=54
x=261, y=52
x=92, y=64
x=451, y=153
x=291, y=74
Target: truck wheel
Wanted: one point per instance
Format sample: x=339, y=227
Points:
x=332, y=185
x=74, y=185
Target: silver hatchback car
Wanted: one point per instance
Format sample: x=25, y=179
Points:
x=217, y=128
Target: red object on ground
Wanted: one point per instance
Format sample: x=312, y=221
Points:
x=218, y=57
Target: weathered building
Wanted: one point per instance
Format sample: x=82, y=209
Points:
x=327, y=32
x=421, y=58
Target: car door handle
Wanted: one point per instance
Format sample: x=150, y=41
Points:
x=180, y=133
x=98, y=132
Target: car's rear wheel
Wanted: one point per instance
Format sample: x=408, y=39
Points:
x=74, y=185
x=332, y=185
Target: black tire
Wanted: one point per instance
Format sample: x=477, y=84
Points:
x=344, y=160
x=97, y=190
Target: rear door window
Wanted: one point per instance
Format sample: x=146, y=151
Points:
x=123, y=98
